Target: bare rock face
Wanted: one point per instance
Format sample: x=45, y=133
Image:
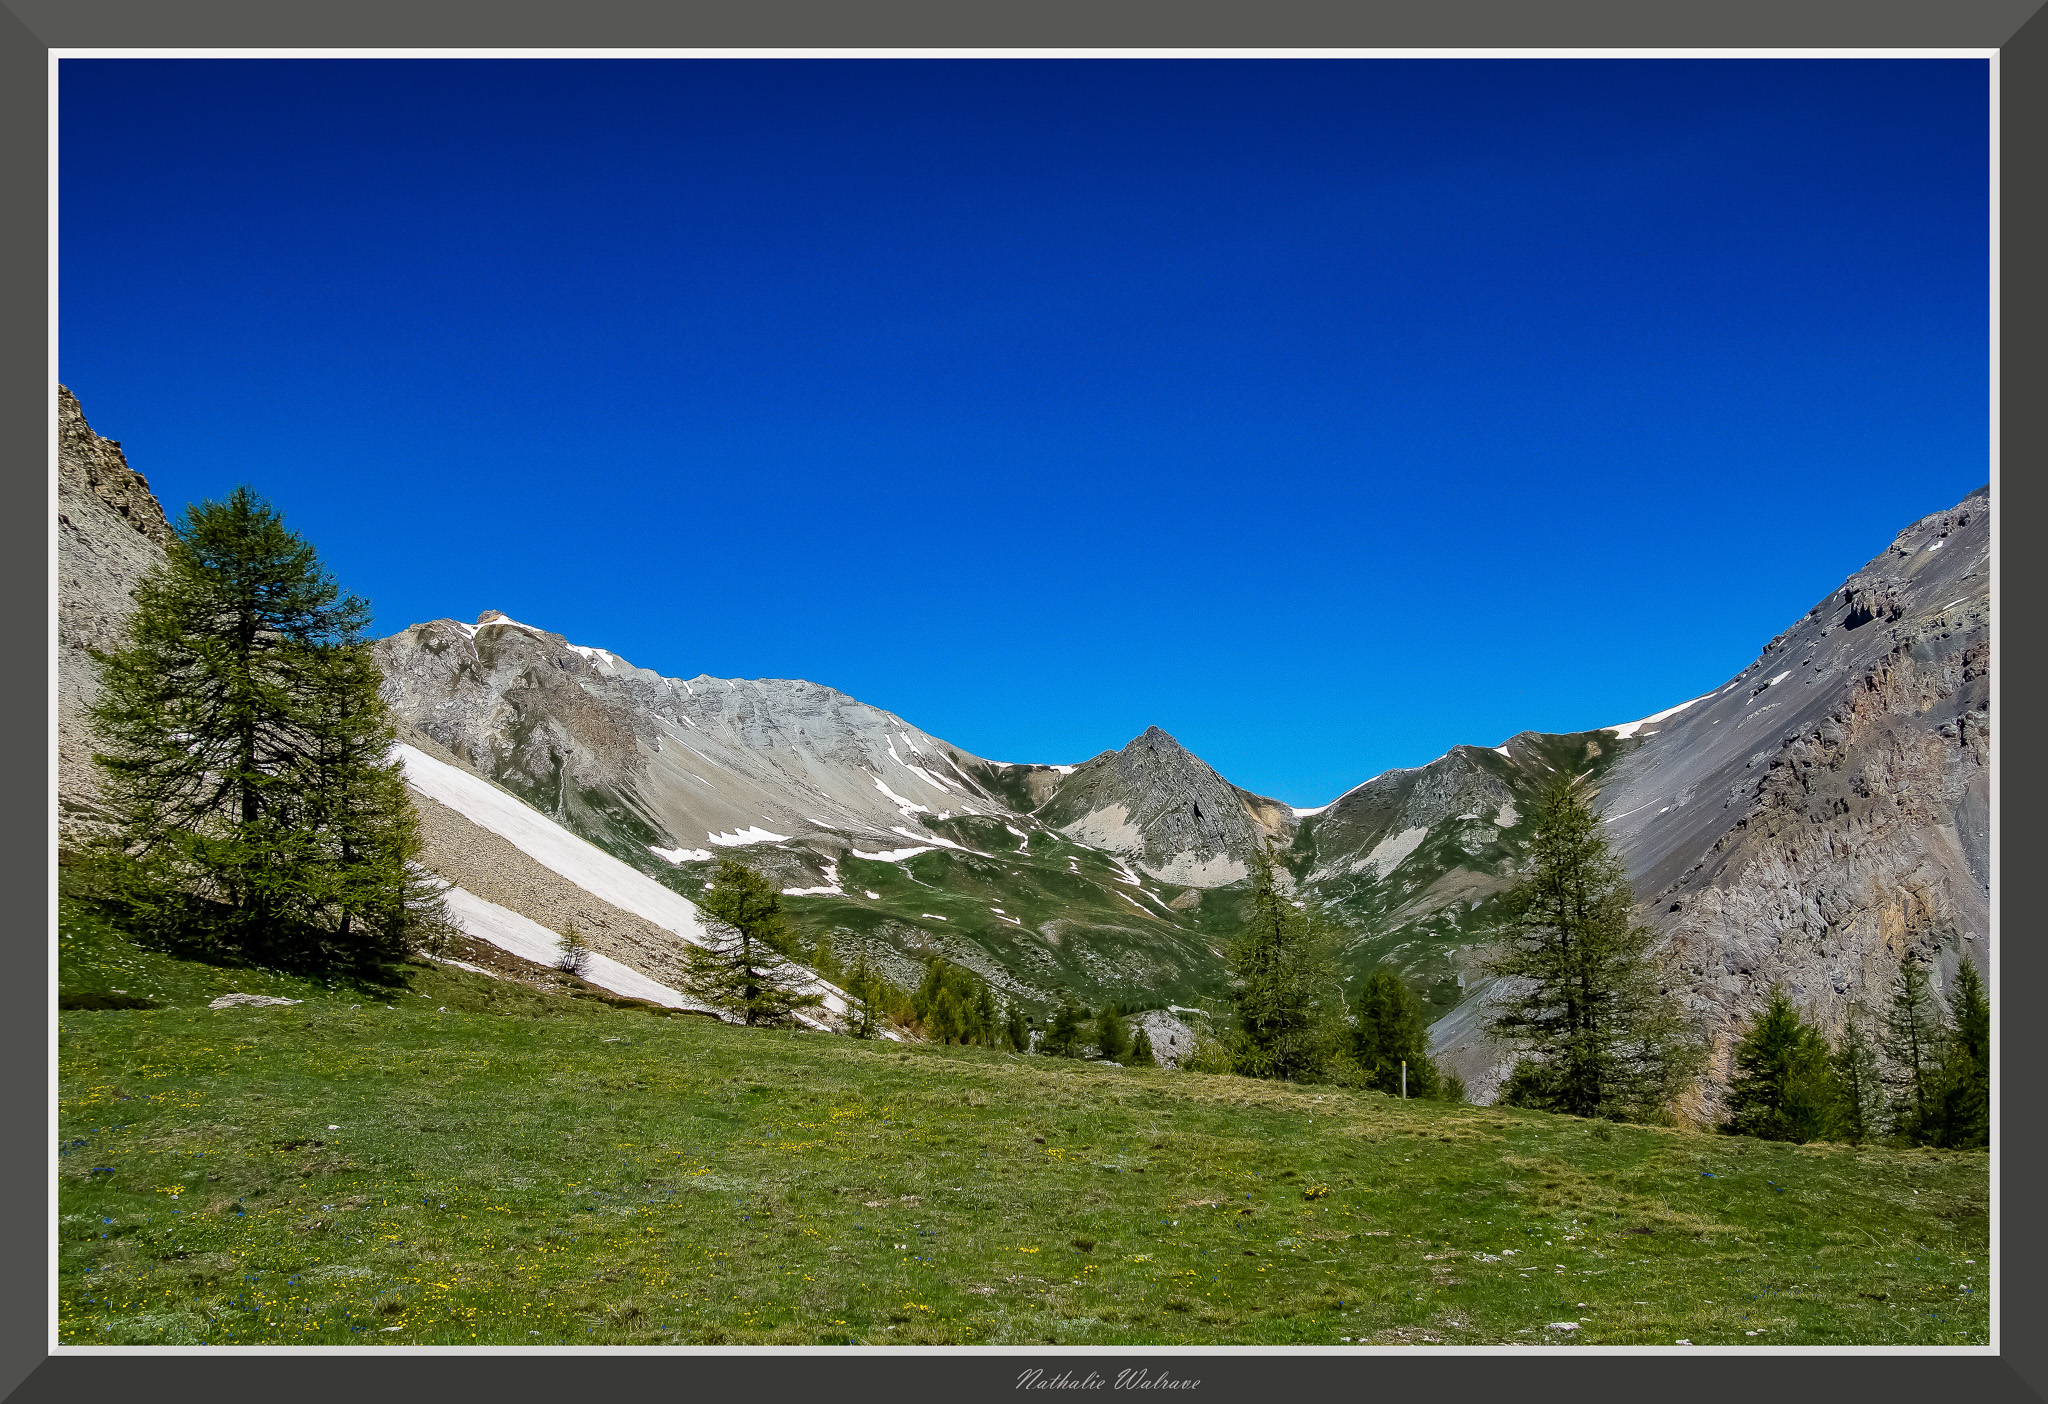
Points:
x=1160, y=805
x=110, y=532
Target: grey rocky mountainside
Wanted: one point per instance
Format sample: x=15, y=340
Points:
x=1813, y=822
x=110, y=531
x=1177, y=819
x=1820, y=817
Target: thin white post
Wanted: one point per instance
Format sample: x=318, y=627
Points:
x=1404, y=1079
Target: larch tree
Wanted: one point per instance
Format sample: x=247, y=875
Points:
x=1387, y=1030
x=745, y=971
x=1578, y=993
x=246, y=753
x=1914, y=1044
x=1857, y=1083
x=1287, y=1007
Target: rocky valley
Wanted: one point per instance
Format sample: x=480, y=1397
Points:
x=1812, y=822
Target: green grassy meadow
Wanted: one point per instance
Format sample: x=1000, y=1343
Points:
x=468, y=1161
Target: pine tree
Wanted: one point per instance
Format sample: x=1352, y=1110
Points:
x=1578, y=992
x=1781, y=1090
x=1141, y=1050
x=1389, y=1030
x=1962, y=1108
x=1287, y=1007
x=868, y=999
x=954, y=1005
x=745, y=971
x=1063, y=1038
x=246, y=755
x=1857, y=1086
x=573, y=958
x=1110, y=1040
x=988, y=1027
x=1017, y=1029
x=1913, y=1047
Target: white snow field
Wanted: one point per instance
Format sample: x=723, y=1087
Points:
x=580, y=861
x=525, y=937
x=1628, y=729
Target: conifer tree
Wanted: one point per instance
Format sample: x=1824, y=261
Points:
x=1141, y=1055
x=1388, y=1030
x=1962, y=1115
x=1781, y=1090
x=863, y=1017
x=1110, y=1040
x=573, y=958
x=1287, y=1007
x=954, y=1005
x=1858, y=1089
x=1914, y=1046
x=245, y=750
x=1017, y=1029
x=1579, y=994
x=744, y=972
x=1063, y=1038
x=988, y=1028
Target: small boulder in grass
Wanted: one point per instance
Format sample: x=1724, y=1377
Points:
x=229, y=1001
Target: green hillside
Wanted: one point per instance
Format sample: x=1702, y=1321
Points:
x=458, y=1160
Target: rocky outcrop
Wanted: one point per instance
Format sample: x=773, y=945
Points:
x=110, y=532
x=89, y=466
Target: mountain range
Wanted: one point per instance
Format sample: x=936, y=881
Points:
x=1811, y=822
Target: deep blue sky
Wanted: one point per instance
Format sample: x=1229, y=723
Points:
x=1326, y=414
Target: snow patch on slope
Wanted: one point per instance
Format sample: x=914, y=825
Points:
x=749, y=835
x=1628, y=729
x=552, y=846
x=528, y=939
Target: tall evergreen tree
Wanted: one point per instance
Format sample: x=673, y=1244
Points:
x=1287, y=1007
x=245, y=750
x=745, y=972
x=1110, y=1039
x=1579, y=994
x=863, y=1013
x=1962, y=1112
x=1914, y=1046
x=1857, y=1085
x=954, y=1005
x=1017, y=1029
x=1063, y=1038
x=1781, y=1090
x=1387, y=1031
x=1141, y=1055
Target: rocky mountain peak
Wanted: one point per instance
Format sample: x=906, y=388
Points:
x=96, y=467
x=1156, y=802
x=111, y=531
